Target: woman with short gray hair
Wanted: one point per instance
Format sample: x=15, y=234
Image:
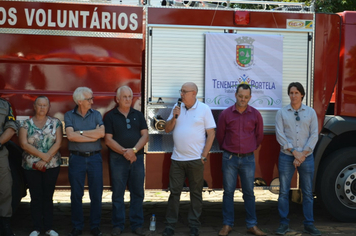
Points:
x=40, y=138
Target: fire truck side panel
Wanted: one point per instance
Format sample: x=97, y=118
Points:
x=346, y=94
x=34, y=63
x=64, y=49
x=327, y=38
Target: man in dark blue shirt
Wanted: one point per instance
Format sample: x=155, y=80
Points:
x=84, y=128
x=126, y=134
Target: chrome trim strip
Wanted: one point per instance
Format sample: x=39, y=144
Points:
x=228, y=28
x=70, y=33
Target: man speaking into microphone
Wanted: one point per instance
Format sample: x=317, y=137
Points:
x=179, y=103
x=193, y=127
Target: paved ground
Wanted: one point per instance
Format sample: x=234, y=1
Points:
x=156, y=202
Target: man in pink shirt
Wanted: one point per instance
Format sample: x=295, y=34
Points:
x=239, y=133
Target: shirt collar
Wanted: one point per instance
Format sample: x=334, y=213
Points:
x=75, y=110
x=116, y=110
x=194, y=106
x=290, y=108
x=46, y=124
x=248, y=109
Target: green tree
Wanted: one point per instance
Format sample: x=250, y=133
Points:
x=326, y=6
x=333, y=6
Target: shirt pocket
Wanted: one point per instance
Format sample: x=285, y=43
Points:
x=135, y=122
x=249, y=126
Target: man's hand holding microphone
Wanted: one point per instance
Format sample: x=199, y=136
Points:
x=170, y=124
x=176, y=111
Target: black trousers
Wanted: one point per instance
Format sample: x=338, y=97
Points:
x=41, y=185
x=194, y=170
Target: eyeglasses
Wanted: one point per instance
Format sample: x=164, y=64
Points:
x=128, y=124
x=89, y=99
x=185, y=91
x=297, y=118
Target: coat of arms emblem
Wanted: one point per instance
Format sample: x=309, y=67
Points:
x=244, y=51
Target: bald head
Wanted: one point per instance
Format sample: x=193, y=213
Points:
x=191, y=86
x=189, y=93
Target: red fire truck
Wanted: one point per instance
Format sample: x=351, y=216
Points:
x=50, y=48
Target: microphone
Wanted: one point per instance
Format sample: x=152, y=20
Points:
x=179, y=103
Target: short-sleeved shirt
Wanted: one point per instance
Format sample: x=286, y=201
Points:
x=125, y=131
x=189, y=133
x=7, y=119
x=42, y=139
x=240, y=132
x=88, y=122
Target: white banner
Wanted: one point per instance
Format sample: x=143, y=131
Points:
x=232, y=59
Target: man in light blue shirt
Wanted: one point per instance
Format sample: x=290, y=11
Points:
x=297, y=133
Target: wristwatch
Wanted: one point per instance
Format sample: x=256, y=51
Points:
x=292, y=150
x=134, y=149
x=81, y=132
x=204, y=159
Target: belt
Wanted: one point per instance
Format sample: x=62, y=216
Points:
x=84, y=154
x=241, y=154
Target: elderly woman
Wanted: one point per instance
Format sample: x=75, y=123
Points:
x=41, y=137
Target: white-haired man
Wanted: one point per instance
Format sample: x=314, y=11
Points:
x=84, y=127
x=126, y=134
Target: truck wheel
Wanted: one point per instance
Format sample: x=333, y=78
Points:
x=337, y=184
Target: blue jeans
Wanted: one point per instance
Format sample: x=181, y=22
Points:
x=245, y=168
x=79, y=167
x=306, y=175
x=132, y=175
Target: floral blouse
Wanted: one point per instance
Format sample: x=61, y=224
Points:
x=42, y=139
